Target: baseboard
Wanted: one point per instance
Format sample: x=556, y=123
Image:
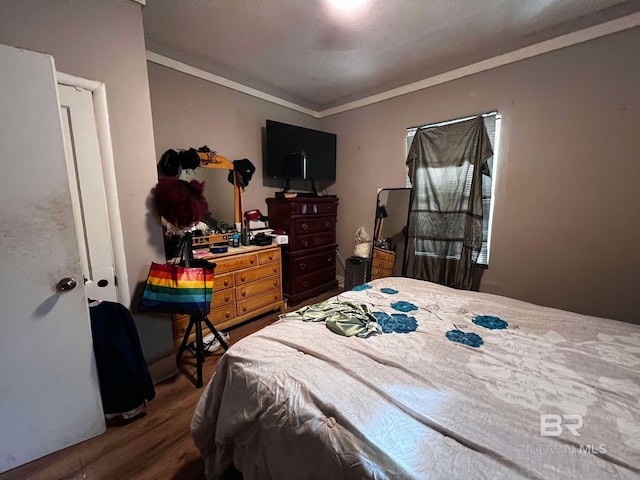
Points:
x=163, y=368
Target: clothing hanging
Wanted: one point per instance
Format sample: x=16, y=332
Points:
x=125, y=382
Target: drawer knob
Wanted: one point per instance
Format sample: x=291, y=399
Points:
x=227, y=314
x=305, y=226
x=244, y=309
x=330, y=259
x=226, y=298
x=242, y=277
x=252, y=260
x=275, y=269
x=302, y=266
x=275, y=296
x=305, y=243
x=271, y=257
x=243, y=293
x=275, y=283
x=226, y=283
x=327, y=224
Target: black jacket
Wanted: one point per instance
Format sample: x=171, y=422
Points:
x=125, y=382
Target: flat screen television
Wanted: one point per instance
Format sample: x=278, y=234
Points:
x=299, y=153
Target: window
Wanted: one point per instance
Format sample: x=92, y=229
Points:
x=492, y=125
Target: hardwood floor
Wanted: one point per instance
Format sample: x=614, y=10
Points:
x=156, y=446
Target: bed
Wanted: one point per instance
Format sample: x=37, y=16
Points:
x=484, y=387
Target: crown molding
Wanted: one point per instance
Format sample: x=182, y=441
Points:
x=580, y=36
x=574, y=38
x=225, y=82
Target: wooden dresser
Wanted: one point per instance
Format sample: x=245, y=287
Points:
x=382, y=263
x=248, y=283
x=309, y=261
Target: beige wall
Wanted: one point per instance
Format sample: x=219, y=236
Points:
x=190, y=112
x=103, y=40
x=566, y=228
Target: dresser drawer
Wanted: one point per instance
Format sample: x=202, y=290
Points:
x=179, y=324
x=216, y=315
x=381, y=264
x=313, y=240
x=315, y=279
x=377, y=272
x=223, y=297
x=383, y=255
x=311, y=207
x=230, y=264
x=315, y=224
x=259, y=286
x=222, y=281
x=221, y=314
x=269, y=256
x=312, y=263
x=257, y=301
x=257, y=273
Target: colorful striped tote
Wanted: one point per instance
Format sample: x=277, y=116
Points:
x=176, y=289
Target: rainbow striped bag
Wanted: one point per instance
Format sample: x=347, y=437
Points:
x=176, y=289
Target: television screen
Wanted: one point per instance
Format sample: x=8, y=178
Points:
x=298, y=152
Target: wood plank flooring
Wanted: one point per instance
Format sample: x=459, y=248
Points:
x=156, y=446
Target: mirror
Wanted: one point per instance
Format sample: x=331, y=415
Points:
x=223, y=182
x=218, y=191
x=389, y=233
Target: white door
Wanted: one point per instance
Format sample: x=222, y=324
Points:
x=88, y=198
x=49, y=394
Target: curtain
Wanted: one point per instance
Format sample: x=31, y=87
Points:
x=446, y=164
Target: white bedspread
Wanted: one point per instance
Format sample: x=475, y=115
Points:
x=296, y=401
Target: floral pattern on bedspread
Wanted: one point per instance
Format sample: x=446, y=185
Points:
x=530, y=370
x=389, y=291
x=396, y=322
x=296, y=401
x=403, y=306
x=623, y=350
x=490, y=322
x=470, y=339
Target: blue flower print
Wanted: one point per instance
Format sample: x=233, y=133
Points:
x=390, y=291
x=470, y=339
x=403, y=306
x=359, y=288
x=396, y=322
x=492, y=323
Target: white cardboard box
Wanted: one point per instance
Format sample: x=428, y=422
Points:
x=281, y=239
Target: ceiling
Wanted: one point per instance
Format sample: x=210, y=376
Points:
x=319, y=57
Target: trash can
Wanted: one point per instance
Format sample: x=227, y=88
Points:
x=356, y=272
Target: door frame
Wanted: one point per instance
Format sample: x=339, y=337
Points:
x=99, y=97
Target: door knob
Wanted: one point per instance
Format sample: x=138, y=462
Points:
x=66, y=284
